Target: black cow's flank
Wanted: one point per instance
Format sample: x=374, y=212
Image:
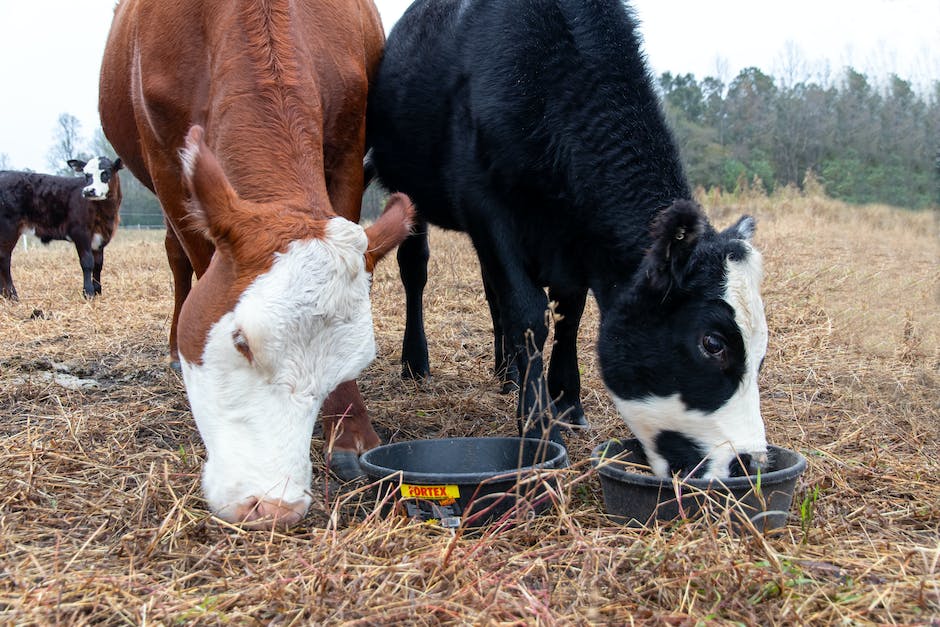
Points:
x=534, y=127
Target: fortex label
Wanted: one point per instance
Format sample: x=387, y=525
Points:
x=430, y=492
x=436, y=504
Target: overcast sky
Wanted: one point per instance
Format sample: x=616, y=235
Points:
x=50, y=51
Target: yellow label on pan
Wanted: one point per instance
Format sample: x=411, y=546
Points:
x=430, y=492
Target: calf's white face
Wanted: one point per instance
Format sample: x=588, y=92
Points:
x=680, y=353
x=98, y=173
x=295, y=333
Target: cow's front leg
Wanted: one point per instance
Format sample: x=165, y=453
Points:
x=186, y=260
x=96, y=273
x=347, y=430
x=188, y=251
x=7, y=290
x=86, y=259
x=526, y=332
x=522, y=306
x=564, y=378
x=505, y=371
x=413, y=255
x=182, y=271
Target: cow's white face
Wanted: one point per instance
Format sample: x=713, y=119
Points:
x=98, y=173
x=294, y=334
x=681, y=354
x=671, y=430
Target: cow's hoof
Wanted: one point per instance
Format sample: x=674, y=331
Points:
x=411, y=373
x=345, y=465
x=578, y=421
x=573, y=417
x=175, y=365
x=558, y=430
x=555, y=434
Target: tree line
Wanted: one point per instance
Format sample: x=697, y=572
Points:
x=864, y=143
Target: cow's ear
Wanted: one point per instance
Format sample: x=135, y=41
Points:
x=675, y=233
x=117, y=164
x=213, y=195
x=391, y=229
x=77, y=164
x=742, y=229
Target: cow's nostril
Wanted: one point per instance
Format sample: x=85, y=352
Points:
x=740, y=465
x=256, y=513
x=760, y=462
x=748, y=464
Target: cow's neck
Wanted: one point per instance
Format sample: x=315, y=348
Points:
x=613, y=202
x=267, y=124
x=114, y=190
x=264, y=167
x=620, y=247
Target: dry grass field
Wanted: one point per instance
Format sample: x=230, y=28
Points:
x=101, y=518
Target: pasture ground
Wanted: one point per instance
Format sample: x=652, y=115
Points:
x=101, y=518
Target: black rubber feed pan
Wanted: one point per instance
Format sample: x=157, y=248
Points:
x=637, y=498
x=466, y=482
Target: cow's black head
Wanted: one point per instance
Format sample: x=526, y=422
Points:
x=98, y=174
x=681, y=350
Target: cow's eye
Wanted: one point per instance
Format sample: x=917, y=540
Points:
x=105, y=176
x=88, y=178
x=713, y=344
x=241, y=345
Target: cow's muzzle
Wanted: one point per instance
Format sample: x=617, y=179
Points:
x=748, y=464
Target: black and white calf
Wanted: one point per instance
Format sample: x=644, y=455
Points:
x=533, y=126
x=84, y=211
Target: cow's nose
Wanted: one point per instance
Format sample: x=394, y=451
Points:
x=760, y=462
x=264, y=513
x=748, y=464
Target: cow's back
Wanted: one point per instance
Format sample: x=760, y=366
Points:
x=184, y=74
x=15, y=194
x=545, y=105
x=129, y=125
x=44, y=201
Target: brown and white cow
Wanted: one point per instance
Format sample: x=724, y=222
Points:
x=247, y=119
x=84, y=211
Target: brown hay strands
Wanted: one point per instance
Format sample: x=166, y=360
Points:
x=102, y=521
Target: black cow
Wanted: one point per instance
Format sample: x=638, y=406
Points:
x=81, y=210
x=533, y=126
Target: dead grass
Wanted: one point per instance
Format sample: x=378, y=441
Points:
x=101, y=520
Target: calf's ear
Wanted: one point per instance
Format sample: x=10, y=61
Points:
x=77, y=164
x=675, y=233
x=117, y=164
x=390, y=230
